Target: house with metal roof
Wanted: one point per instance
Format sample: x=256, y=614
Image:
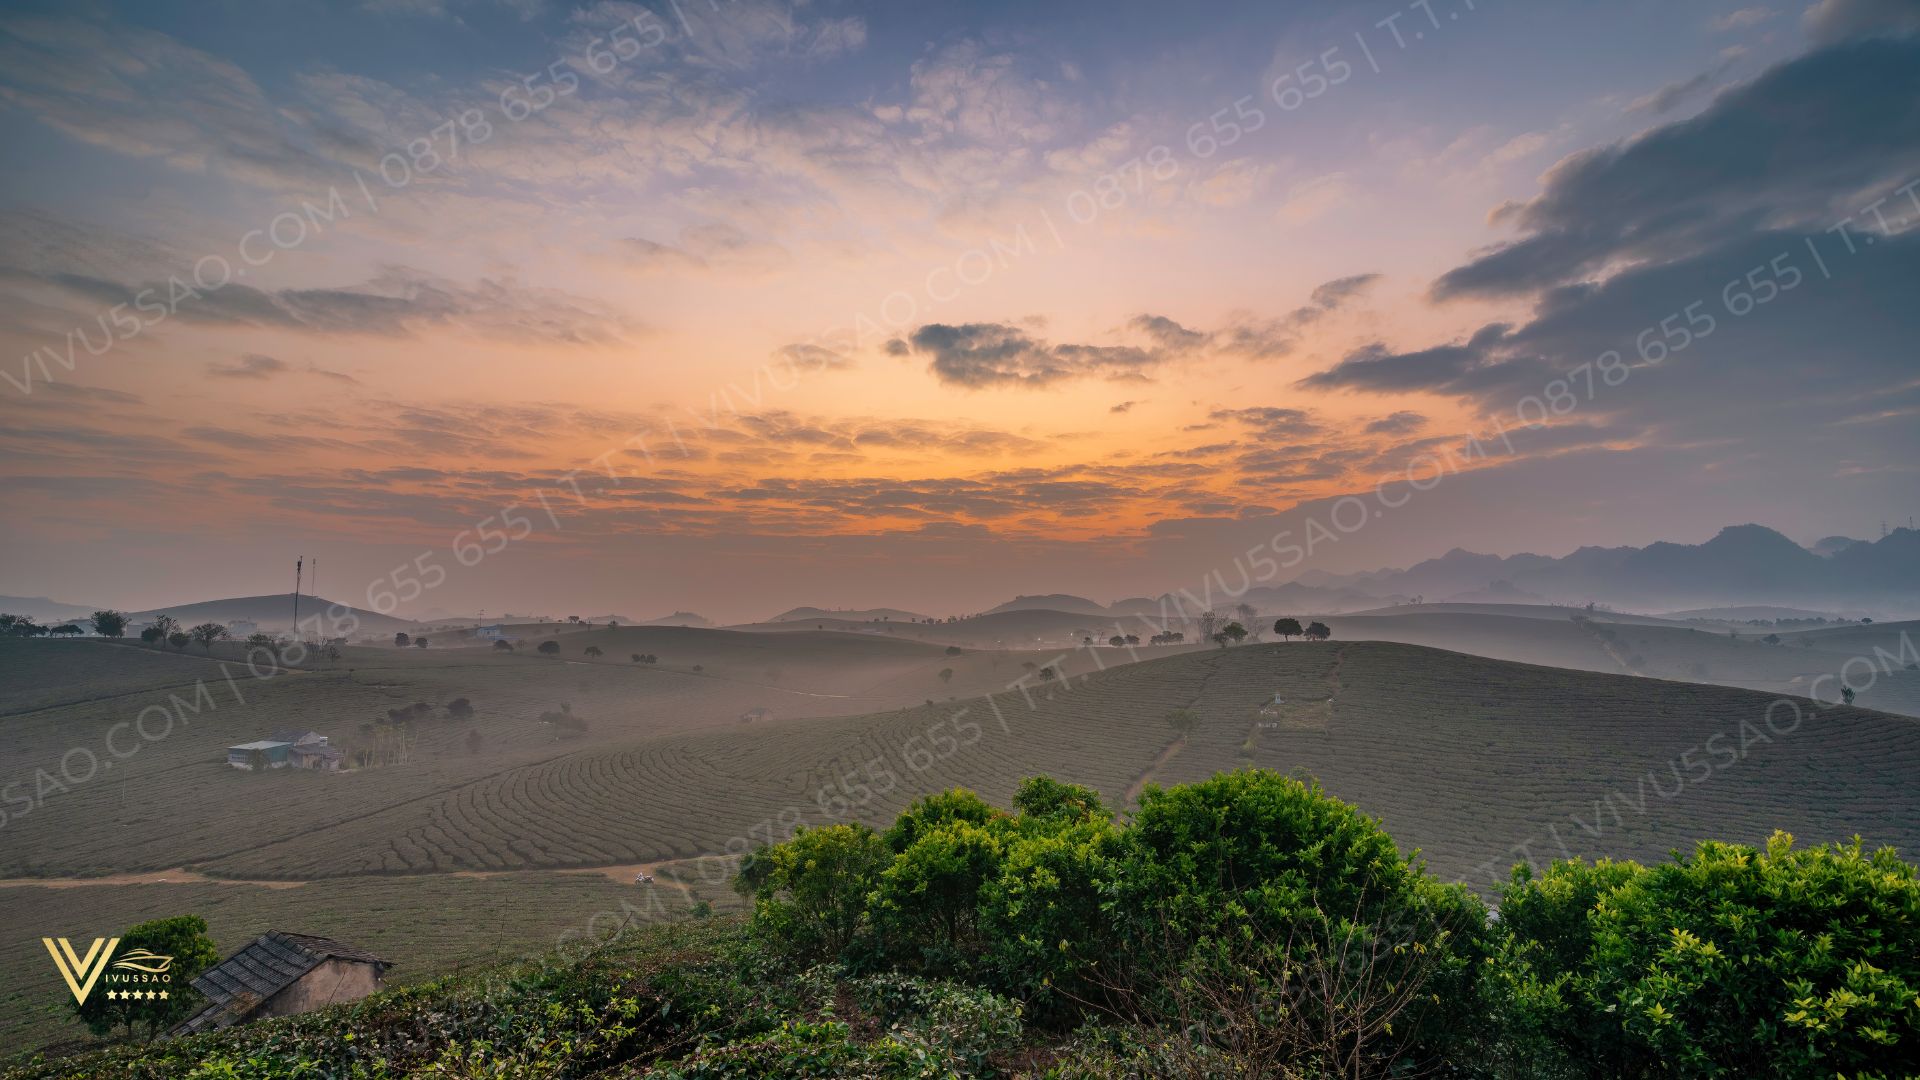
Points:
x=281, y=974
x=261, y=753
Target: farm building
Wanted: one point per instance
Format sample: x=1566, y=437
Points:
x=263, y=753
x=281, y=974
x=316, y=756
x=300, y=749
x=296, y=737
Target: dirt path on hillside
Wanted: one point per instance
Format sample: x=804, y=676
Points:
x=1159, y=761
x=1167, y=754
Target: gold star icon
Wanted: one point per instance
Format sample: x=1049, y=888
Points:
x=163, y=995
x=111, y=994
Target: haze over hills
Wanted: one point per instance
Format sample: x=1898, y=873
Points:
x=801, y=614
x=274, y=613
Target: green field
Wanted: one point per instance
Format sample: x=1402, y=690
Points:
x=1477, y=762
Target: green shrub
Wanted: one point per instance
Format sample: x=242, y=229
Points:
x=1047, y=931
x=965, y=1024
x=810, y=893
x=802, y=1050
x=1734, y=962
x=933, y=811
x=1042, y=797
x=925, y=903
x=1287, y=927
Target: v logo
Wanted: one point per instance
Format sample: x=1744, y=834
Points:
x=81, y=972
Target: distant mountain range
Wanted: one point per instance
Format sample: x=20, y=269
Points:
x=44, y=610
x=885, y=614
x=1745, y=566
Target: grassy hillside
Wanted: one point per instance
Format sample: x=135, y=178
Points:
x=1246, y=925
x=1465, y=757
x=1476, y=762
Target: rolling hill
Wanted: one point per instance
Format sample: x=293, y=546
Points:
x=274, y=613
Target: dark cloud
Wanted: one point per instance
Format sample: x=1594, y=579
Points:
x=1778, y=152
x=1340, y=290
x=980, y=355
x=1166, y=333
x=250, y=366
x=1835, y=20
x=1271, y=422
x=806, y=356
x=1124, y=406
x=1399, y=423
x=1674, y=94
x=1265, y=339
x=396, y=302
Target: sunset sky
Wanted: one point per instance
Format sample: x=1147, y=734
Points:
x=738, y=305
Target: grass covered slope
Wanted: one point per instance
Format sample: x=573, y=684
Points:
x=1247, y=925
x=1476, y=762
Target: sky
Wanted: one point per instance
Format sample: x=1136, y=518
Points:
x=732, y=305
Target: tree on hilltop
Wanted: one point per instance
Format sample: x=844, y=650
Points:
x=1288, y=628
x=109, y=623
x=207, y=633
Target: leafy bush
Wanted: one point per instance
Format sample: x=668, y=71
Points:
x=925, y=904
x=810, y=893
x=1734, y=962
x=933, y=811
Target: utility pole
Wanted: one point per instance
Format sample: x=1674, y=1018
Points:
x=299, y=562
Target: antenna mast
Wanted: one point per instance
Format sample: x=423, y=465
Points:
x=299, y=562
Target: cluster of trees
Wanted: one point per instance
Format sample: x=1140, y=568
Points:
x=1290, y=628
x=645, y=658
x=1119, y=640
x=1252, y=925
x=401, y=641
x=1169, y=637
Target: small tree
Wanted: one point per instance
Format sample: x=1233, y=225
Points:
x=459, y=709
x=549, y=648
x=1235, y=632
x=1046, y=674
x=400, y=640
x=953, y=650
x=109, y=623
x=207, y=633
x=179, y=639
x=1116, y=641
x=166, y=624
x=503, y=646
x=593, y=650
x=419, y=643
x=946, y=675
x=810, y=893
x=1288, y=628
x=183, y=939
x=67, y=630
x=152, y=634
x=1771, y=639
x=1317, y=631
